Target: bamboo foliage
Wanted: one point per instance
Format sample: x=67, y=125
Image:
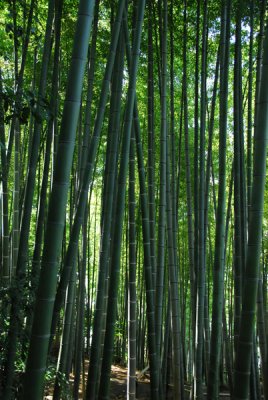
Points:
x=133, y=215
x=20, y=239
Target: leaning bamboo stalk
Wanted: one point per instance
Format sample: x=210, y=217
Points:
x=116, y=251
x=37, y=356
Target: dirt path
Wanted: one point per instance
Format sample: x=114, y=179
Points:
x=118, y=385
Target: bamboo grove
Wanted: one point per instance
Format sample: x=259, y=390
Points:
x=133, y=205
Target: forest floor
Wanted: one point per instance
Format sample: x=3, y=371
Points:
x=118, y=388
